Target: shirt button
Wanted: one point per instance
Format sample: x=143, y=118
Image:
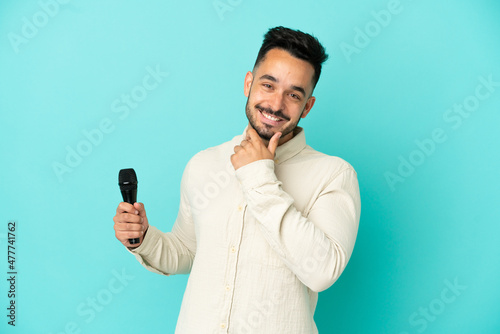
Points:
x=228, y=288
x=233, y=249
x=223, y=325
x=276, y=161
x=240, y=208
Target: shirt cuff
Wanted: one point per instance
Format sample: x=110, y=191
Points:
x=256, y=174
x=150, y=240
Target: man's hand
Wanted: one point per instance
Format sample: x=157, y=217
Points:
x=253, y=148
x=130, y=222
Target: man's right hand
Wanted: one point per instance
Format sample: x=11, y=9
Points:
x=130, y=222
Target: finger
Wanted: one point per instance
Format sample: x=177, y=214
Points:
x=127, y=218
x=237, y=148
x=254, y=136
x=125, y=207
x=125, y=235
x=140, y=207
x=273, y=143
x=243, y=143
x=125, y=227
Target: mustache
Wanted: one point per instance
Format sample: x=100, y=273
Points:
x=277, y=113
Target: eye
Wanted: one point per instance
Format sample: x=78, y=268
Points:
x=266, y=85
x=295, y=96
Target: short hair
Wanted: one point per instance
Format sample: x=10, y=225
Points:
x=298, y=44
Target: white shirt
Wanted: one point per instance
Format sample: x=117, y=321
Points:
x=260, y=242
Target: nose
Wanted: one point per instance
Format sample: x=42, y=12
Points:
x=276, y=101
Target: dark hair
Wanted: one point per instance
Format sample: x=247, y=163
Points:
x=298, y=44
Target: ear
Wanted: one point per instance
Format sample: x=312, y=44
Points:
x=308, y=107
x=248, y=83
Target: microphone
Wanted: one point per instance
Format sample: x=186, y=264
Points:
x=127, y=180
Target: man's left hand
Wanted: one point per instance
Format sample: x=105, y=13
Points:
x=253, y=148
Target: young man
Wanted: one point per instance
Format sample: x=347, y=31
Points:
x=265, y=222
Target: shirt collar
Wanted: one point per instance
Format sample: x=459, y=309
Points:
x=288, y=149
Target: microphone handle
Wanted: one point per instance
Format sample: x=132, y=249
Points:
x=130, y=196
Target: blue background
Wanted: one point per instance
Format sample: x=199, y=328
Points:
x=436, y=226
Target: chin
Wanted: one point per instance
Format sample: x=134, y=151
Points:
x=264, y=133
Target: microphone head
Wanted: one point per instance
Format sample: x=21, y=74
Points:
x=127, y=179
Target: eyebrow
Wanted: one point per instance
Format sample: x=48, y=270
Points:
x=273, y=79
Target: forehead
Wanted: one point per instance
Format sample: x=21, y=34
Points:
x=289, y=70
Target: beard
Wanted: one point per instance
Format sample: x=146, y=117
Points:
x=265, y=131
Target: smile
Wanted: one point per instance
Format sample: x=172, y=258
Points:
x=270, y=117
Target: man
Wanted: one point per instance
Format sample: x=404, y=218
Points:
x=265, y=222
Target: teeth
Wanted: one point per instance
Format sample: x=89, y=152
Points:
x=270, y=117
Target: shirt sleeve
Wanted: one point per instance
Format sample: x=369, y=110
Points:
x=172, y=252
x=317, y=247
